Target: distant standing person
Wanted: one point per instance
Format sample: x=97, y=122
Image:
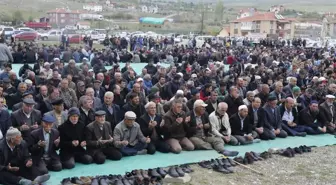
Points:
x=5, y=54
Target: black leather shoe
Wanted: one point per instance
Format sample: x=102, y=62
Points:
x=245, y=161
x=214, y=162
x=257, y=156
x=126, y=182
x=232, y=162
x=301, y=134
x=118, y=182
x=298, y=150
x=137, y=175
x=95, y=181
x=308, y=149
x=76, y=180
x=179, y=171
x=153, y=173
x=220, y=169
x=249, y=158
x=173, y=173
x=226, y=163
x=292, y=151
x=266, y=155
x=229, y=169
x=161, y=171
x=205, y=164
x=287, y=153
x=219, y=161
x=186, y=168
x=66, y=181
x=239, y=160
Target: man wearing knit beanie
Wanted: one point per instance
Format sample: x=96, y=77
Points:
x=14, y=150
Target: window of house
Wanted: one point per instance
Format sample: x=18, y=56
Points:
x=235, y=31
x=235, y=25
x=62, y=15
x=62, y=21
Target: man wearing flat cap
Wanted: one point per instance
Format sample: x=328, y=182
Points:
x=16, y=165
x=43, y=145
x=273, y=119
x=28, y=94
x=99, y=140
x=328, y=112
x=128, y=136
x=58, y=112
x=27, y=118
x=72, y=145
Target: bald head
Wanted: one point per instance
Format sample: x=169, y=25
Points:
x=289, y=103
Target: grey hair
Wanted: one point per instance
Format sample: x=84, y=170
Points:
x=249, y=93
x=82, y=100
x=147, y=77
x=222, y=104
x=149, y=104
x=109, y=93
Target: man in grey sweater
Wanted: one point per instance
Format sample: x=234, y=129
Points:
x=5, y=54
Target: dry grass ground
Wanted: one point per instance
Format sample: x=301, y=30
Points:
x=315, y=168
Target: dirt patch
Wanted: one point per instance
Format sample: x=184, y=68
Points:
x=315, y=168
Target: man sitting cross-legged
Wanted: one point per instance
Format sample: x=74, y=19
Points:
x=128, y=137
x=289, y=117
x=200, y=133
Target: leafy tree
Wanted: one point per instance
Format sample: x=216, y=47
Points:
x=30, y=19
x=17, y=17
x=219, y=10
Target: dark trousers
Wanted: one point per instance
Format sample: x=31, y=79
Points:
x=133, y=150
x=13, y=178
x=267, y=134
x=110, y=153
x=69, y=161
x=160, y=146
x=293, y=131
x=282, y=134
x=51, y=165
x=311, y=130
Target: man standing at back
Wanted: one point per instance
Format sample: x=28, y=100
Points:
x=5, y=54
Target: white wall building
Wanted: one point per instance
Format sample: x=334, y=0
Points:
x=93, y=7
x=149, y=9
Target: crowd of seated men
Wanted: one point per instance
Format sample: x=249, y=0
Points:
x=55, y=125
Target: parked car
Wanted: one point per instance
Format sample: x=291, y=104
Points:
x=7, y=31
x=26, y=36
x=53, y=35
x=75, y=39
x=25, y=29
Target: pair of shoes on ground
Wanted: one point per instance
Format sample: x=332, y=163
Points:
x=220, y=165
x=77, y=180
x=249, y=158
x=290, y=152
x=176, y=171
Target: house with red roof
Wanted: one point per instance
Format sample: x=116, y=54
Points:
x=262, y=22
x=63, y=17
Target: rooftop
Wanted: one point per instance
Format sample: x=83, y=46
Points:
x=64, y=10
x=266, y=16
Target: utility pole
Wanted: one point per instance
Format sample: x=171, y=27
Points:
x=202, y=22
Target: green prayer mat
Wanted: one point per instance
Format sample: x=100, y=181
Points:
x=163, y=160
